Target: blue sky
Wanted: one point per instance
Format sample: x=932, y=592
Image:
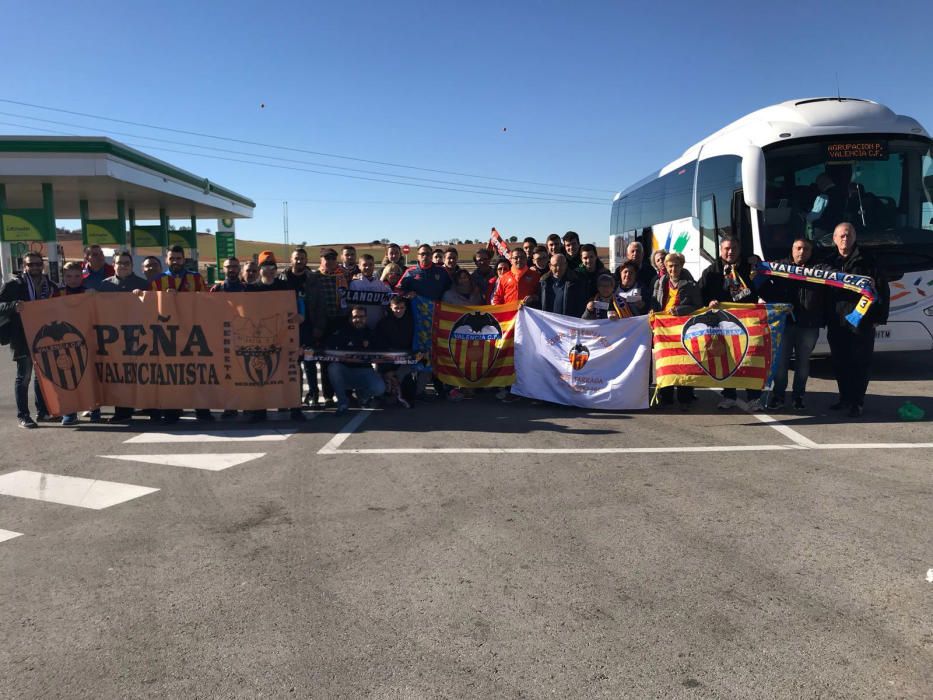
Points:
x=590, y=94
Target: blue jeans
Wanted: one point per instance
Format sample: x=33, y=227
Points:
x=24, y=372
x=363, y=379
x=801, y=342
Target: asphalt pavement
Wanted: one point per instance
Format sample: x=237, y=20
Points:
x=475, y=550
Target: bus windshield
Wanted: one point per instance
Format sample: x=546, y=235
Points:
x=883, y=186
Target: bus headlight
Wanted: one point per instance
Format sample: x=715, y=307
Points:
x=928, y=311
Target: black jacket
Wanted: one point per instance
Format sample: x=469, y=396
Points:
x=396, y=333
x=808, y=300
x=355, y=339
x=14, y=290
x=841, y=302
x=575, y=296
x=299, y=283
x=713, y=285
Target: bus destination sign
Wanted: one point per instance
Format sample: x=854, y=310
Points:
x=857, y=150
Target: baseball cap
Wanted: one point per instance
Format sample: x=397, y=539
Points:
x=266, y=257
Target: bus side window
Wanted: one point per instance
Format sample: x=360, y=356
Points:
x=708, y=228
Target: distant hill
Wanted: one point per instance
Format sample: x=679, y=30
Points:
x=207, y=250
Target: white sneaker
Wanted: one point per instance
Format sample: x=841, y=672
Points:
x=726, y=404
x=754, y=406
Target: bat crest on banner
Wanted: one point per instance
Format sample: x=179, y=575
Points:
x=61, y=353
x=717, y=341
x=254, y=344
x=473, y=344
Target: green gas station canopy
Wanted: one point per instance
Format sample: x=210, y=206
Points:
x=102, y=171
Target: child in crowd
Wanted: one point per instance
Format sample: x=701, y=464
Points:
x=605, y=304
x=72, y=276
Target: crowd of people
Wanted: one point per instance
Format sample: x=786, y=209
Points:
x=349, y=303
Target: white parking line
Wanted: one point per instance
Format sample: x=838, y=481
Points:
x=800, y=442
x=9, y=535
x=874, y=445
x=69, y=490
x=210, y=461
x=786, y=431
x=345, y=432
x=249, y=435
x=553, y=450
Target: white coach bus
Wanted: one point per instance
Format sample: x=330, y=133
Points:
x=800, y=167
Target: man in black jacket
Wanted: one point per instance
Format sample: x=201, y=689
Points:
x=802, y=328
x=355, y=374
x=296, y=279
x=647, y=275
x=590, y=269
x=852, y=347
x=562, y=292
x=729, y=279
x=30, y=285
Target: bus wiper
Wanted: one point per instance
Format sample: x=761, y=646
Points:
x=861, y=206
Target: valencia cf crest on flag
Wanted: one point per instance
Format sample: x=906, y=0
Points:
x=717, y=341
x=472, y=344
x=61, y=354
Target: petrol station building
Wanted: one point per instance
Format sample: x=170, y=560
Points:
x=123, y=198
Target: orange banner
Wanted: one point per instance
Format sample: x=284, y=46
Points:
x=165, y=350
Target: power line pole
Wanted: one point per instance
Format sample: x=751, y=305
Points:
x=285, y=220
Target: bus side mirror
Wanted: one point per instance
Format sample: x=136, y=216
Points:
x=753, y=177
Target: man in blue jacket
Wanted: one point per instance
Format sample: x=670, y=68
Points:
x=425, y=279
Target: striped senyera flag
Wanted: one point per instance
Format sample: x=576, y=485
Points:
x=734, y=345
x=473, y=345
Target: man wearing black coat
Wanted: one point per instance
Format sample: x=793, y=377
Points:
x=647, y=275
x=31, y=285
x=852, y=347
x=729, y=279
x=296, y=279
x=802, y=329
x=562, y=292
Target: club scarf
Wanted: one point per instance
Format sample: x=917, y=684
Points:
x=737, y=287
x=497, y=244
x=44, y=291
x=860, y=284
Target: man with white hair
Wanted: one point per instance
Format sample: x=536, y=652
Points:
x=647, y=275
x=851, y=346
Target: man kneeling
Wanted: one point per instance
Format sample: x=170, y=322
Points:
x=350, y=374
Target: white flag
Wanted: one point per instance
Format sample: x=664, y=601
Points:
x=591, y=364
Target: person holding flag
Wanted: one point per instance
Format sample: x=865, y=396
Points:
x=730, y=279
x=630, y=290
x=176, y=278
x=518, y=284
x=30, y=285
x=676, y=293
